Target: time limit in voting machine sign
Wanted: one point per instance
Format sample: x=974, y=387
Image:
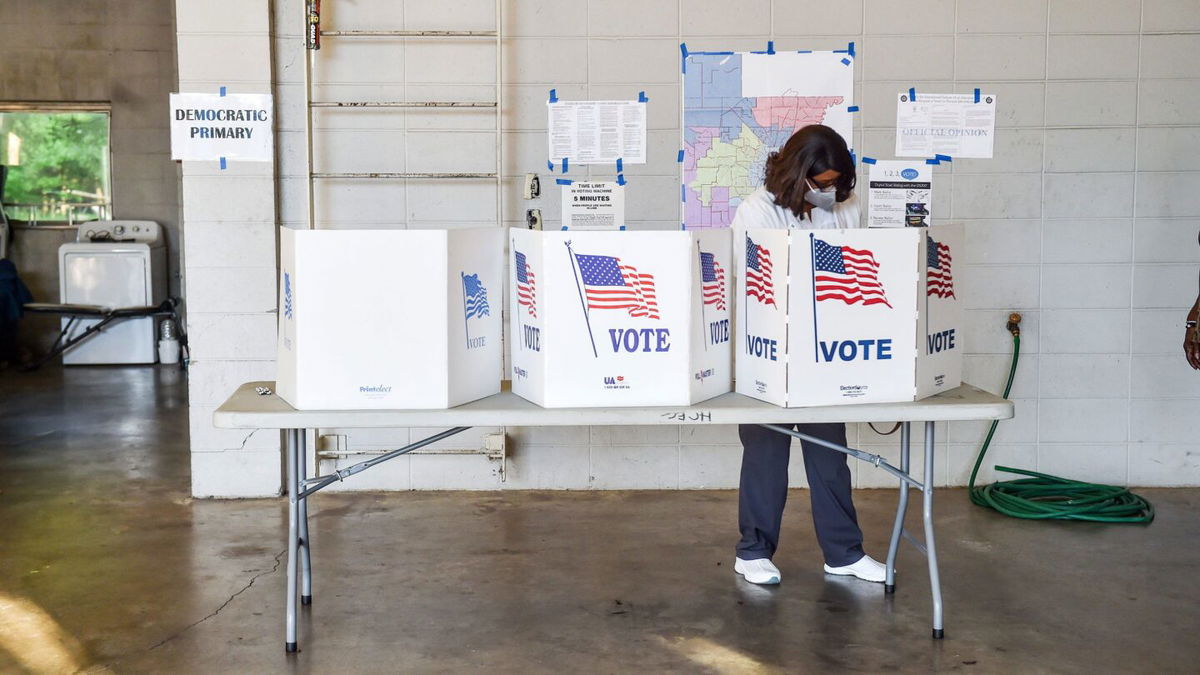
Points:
x=620, y=318
x=848, y=316
x=372, y=319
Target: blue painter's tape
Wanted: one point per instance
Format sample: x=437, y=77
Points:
x=853, y=157
x=222, y=163
x=564, y=228
x=224, y=91
x=620, y=179
x=622, y=228
x=912, y=93
x=803, y=51
x=642, y=97
x=933, y=162
x=620, y=165
x=770, y=46
x=683, y=193
x=868, y=160
x=680, y=157
x=852, y=108
x=943, y=158
x=683, y=59
x=977, y=94
x=850, y=49
x=845, y=62
x=566, y=164
x=550, y=166
x=563, y=181
x=554, y=96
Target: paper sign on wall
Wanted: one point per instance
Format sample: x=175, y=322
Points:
x=207, y=127
x=593, y=206
x=945, y=124
x=598, y=132
x=901, y=194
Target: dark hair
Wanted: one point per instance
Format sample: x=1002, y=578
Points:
x=812, y=150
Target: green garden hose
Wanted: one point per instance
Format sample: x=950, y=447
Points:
x=1046, y=497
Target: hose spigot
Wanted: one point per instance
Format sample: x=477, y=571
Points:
x=1014, y=324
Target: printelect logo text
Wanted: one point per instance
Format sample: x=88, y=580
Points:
x=378, y=389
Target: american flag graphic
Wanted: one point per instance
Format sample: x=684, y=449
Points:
x=939, y=280
x=712, y=278
x=846, y=274
x=758, y=273
x=610, y=284
x=475, y=296
x=526, y=284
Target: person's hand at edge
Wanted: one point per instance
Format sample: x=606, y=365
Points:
x=1191, y=338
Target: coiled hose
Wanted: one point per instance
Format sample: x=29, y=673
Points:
x=1046, y=497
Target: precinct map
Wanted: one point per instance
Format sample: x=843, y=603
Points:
x=739, y=107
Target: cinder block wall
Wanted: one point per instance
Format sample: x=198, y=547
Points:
x=229, y=238
x=1085, y=221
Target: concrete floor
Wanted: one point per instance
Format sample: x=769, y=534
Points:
x=107, y=565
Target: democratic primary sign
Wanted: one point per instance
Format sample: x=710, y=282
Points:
x=212, y=127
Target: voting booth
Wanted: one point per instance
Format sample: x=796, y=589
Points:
x=373, y=319
x=620, y=318
x=848, y=316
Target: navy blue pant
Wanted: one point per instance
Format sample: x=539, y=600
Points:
x=763, y=492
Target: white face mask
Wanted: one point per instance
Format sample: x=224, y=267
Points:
x=822, y=199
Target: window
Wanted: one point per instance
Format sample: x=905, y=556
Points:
x=58, y=162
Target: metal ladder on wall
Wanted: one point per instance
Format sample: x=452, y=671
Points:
x=313, y=36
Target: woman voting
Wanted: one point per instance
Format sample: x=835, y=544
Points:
x=809, y=184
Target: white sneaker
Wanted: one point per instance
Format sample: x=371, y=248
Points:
x=759, y=571
x=867, y=569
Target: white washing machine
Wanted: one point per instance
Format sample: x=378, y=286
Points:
x=114, y=263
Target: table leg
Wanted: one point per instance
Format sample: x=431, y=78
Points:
x=293, y=484
x=305, y=545
x=889, y=585
x=935, y=585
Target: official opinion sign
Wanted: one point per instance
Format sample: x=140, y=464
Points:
x=207, y=127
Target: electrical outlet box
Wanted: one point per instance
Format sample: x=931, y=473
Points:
x=533, y=218
x=494, y=445
x=533, y=186
x=332, y=443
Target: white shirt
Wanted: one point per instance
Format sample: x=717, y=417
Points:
x=760, y=210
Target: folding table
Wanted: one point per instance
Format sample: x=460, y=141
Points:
x=103, y=317
x=255, y=406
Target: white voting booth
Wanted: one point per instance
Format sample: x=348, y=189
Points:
x=376, y=319
x=848, y=316
x=620, y=318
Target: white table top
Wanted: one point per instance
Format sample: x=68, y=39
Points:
x=245, y=409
